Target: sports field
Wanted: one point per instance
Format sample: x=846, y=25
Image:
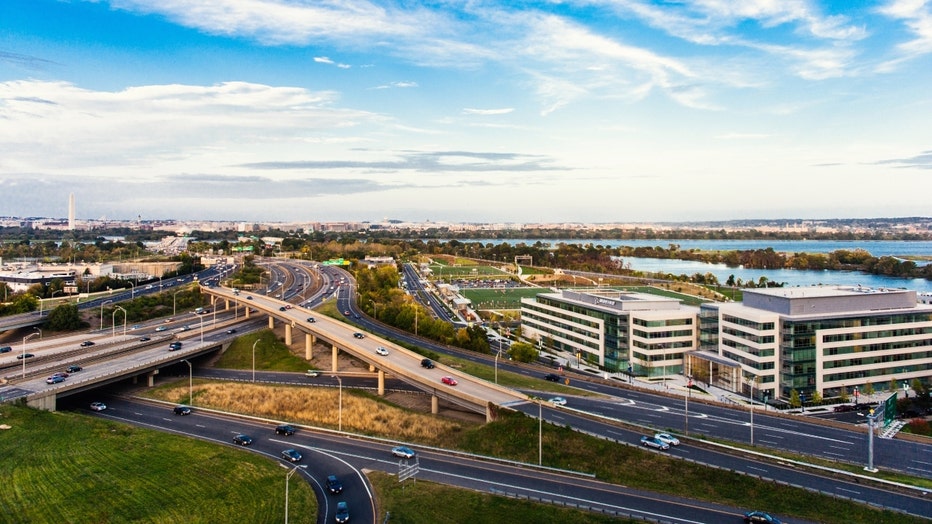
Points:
x=501, y=298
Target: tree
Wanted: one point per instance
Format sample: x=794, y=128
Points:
x=523, y=352
x=794, y=399
x=843, y=394
x=816, y=398
x=868, y=389
x=65, y=318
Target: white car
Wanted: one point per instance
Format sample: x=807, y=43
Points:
x=381, y=351
x=667, y=438
x=98, y=406
x=558, y=401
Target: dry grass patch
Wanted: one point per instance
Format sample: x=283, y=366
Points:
x=316, y=407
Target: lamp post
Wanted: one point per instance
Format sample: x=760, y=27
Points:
x=113, y=321
x=689, y=387
x=751, y=403
x=133, y=291
x=254, y=359
x=340, y=416
x=287, y=478
x=497, y=354
x=540, y=432
x=102, y=304
x=202, y=327
x=190, y=382
x=27, y=337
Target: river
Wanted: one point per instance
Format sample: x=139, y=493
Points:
x=791, y=277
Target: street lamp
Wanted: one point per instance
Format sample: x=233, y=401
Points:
x=340, y=382
x=190, y=382
x=288, y=477
x=133, y=292
x=201, y=316
x=254, y=359
x=751, y=381
x=102, y=304
x=498, y=354
x=540, y=431
x=27, y=337
x=113, y=321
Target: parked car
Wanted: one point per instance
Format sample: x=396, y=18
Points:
x=403, y=452
x=342, y=515
x=760, y=516
x=284, y=429
x=181, y=410
x=87, y=343
x=334, y=485
x=667, y=438
x=381, y=351
x=427, y=363
x=74, y=368
x=54, y=379
x=558, y=401
x=652, y=442
x=450, y=381
x=291, y=455
x=242, y=440
x=98, y=406
x=358, y=335
x=552, y=377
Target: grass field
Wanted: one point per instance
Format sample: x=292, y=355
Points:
x=447, y=272
x=501, y=298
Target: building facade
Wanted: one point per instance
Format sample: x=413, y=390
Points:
x=615, y=330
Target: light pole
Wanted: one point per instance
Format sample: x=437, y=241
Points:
x=202, y=327
x=27, y=337
x=751, y=381
x=254, y=359
x=540, y=431
x=287, y=478
x=133, y=292
x=340, y=418
x=113, y=321
x=190, y=382
x=689, y=387
x=102, y=304
x=497, y=354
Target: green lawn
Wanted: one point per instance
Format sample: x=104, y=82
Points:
x=501, y=298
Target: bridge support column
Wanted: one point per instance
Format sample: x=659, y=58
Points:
x=271, y=322
x=333, y=359
x=488, y=413
x=247, y=311
x=434, y=405
x=150, y=378
x=381, y=383
x=226, y=305
x=308, y=346
x=287, y=334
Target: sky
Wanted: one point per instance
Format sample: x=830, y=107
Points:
x=588, y=111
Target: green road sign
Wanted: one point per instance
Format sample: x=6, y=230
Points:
x=889, y=409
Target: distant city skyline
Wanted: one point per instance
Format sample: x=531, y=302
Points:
x=604, y=111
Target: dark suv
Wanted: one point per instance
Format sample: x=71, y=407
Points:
x=334, y=485
x=284, y=429
x=427, y=363
x=552, y=377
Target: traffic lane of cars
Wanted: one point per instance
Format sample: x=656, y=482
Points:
x=263, y=439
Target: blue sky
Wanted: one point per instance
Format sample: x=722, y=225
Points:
x=481, y=111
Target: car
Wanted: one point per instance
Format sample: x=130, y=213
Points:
x=135, y=327
x=145, y=338
x=174, y=346
x=87, y=343
x=181, y=410
x=403, y=452
x=652, y=442
x=381, y=351
x=54, y=379
x=284, y=429
x=552, y=377
x=760, y=516
x=98, y=406
x=450, y=381
x=358, y=335
x=231, y=331
x=242, y=440
x=667, y=439
x=161, y=328
x=347, y=313
x=248, y=297
x=61, y=374
x=342, y=515
x=311, y=320
x=5, y=349
x=334, y=485
x=312, y=373
x=427, y=363
x=24, y=355
x=74, y=368
x=558, y=401
x=288, y=306
x=283, y=308
x=291, y=455
x=356, y=316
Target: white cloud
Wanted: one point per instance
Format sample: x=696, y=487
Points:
x=502, y=111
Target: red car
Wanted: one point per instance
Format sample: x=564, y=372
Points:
x=450, y=381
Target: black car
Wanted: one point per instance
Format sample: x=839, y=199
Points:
x=284, y=429
x=231, y=331
x=181, y=410
x=283, y=308
x=427, y=363
x=358, y=335
x=552, y=377
x=342, y=514
x=145, y=338
x=87, y=343
x=291, y=455
x=174, y=346
x=242, y=440
x=74, y=369
x=311, y=320
x=334, y=485
x=24, y=355
x=5, y=349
